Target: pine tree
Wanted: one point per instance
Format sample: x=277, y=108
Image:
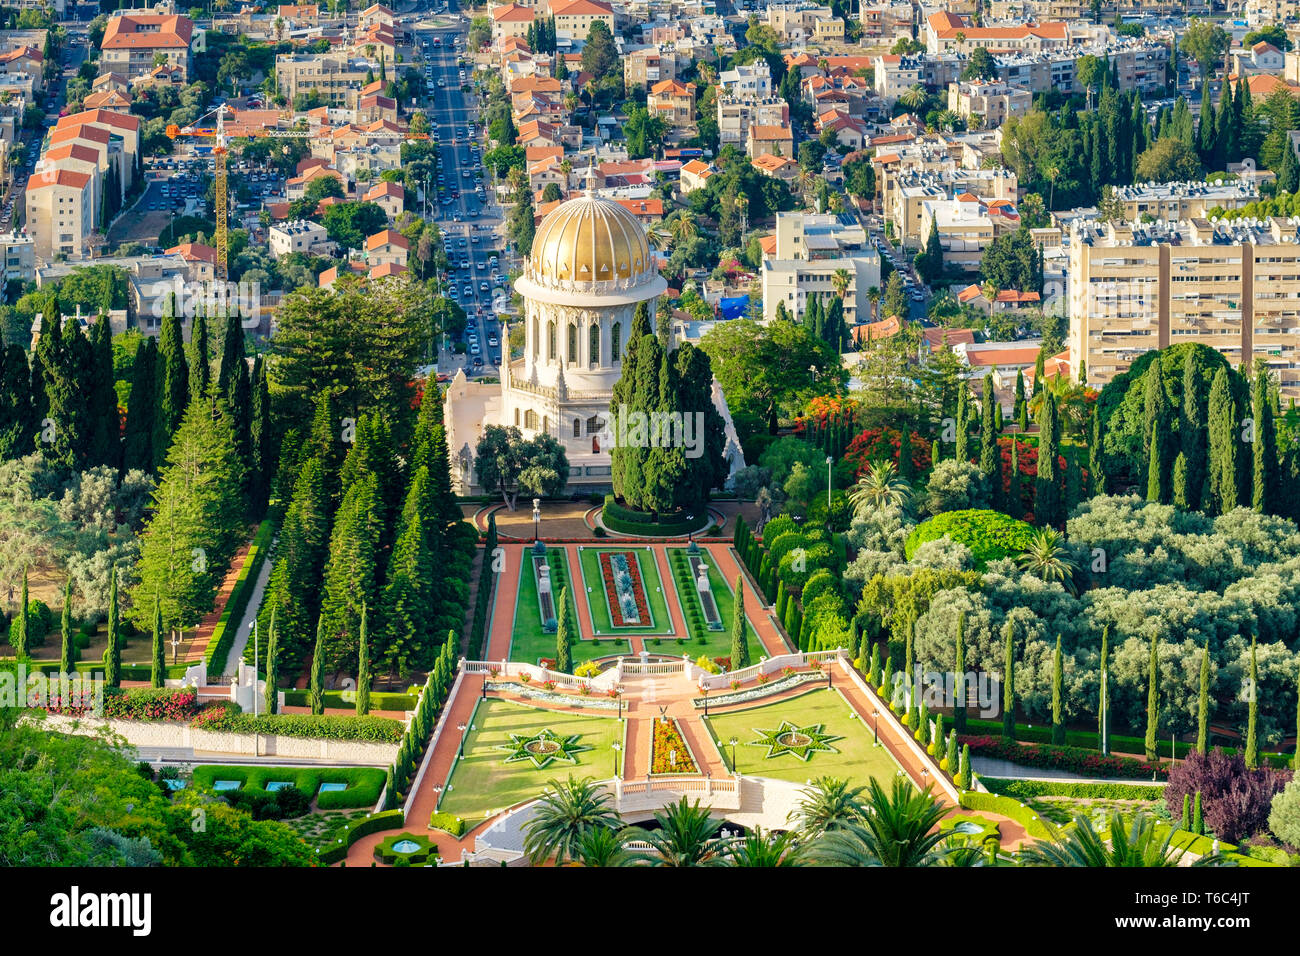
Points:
x=68, y=658
x=1264, y=447
x=272, y=696
x=159, y=672
x=1009, y=682
x=1203, y=702
x=1225, y=490
x=172, y=384
x=315, y=686
x=563, y=639
x=1058, y=727
x=959, y=705
x=739, y=631
x=363, y=664
x=113, y=650
x=1153, y=698
x=1252, y=711
x=141, y=409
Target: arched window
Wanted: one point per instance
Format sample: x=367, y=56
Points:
x=550, y=341
x=572, y=355
x=593, y=344
x=616, y=342
x=594, y=424
x=577, y=428
x=530, y=420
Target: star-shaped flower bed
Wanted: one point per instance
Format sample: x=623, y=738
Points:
x=543, y=747
x=800, y=742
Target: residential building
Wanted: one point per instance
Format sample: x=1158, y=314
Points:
x=672, y=102
x=751, y=81
x=134, y=42
x=736, y=114
x=988, y=105
x=573, y=18
x=811, y=249
x=387, y=246
x=1183, y=200
x=966, y=226
x=388, y=196
x=910, y=191
x=774, y=140
x=642, y=69
x=778, y=167
x=946, y=32
x=299, y=235
x=60, y=213
x=18, y=256
x=1233, y=286
x=337, y=78
x=694, y=175
x=511, y=20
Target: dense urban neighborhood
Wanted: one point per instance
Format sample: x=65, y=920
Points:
x=617, y=433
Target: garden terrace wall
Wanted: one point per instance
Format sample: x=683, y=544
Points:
x=182, y=735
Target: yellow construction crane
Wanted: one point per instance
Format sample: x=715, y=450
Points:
x=220, y=149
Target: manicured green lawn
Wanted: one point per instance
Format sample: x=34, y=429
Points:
x=594, y=586
x=703, y=640
x=529, y=641
x=483, y=782
x=857, y=760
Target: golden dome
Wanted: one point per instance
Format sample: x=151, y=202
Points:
x=589, y=239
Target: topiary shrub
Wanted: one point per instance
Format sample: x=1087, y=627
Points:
x=424, y=852
x=448, y=822
x=990, y=535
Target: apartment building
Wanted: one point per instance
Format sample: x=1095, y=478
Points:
x=987, y=105
x=799, y=23
x=736, y=114
x=18, y=256
x=1233, y=286
x=512, y=20
x=299, y=235
x=946, y=32
x=672, y=102
x=751, y=81
x=810, y=250
x=60, y=213
x=573, y=18
x=134, y=42
x=887, y=20
x=912, y=190
x=966, y=225
x=642, y=69
x=1190, y=200
x=337, y=79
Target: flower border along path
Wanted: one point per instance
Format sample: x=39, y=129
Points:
x=603, y=628
x=666, y=739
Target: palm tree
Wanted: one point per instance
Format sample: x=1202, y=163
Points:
x=684, y=838
x=899, y=828
x=881, y=487
x=1047, y=558
x=827, y=804
x=684, y=227
x=913, y=97
x=566, y=812
x=840, y=280
x=1071, y=402
x=873, y=296
x=1137, y=845
x=1051, y=173
x=948, y=120
x=768, y=849
x=603, y=846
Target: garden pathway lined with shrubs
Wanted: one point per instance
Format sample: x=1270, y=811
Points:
x=197, y=646
x=755, y=610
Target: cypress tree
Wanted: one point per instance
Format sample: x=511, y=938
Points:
x=1058, y=727
x=1225, y=492
x=1015, y=493
x=1295, y=760
x=1096, y=457
x=363, y=664
x=988, y=436
x=1203, y=702
x=18, y=628
x=961, y=452
x=17, y=425
x=1153, y=698
x=68, y=658
x=1264, y=447
x=104, y=431
x=1252, y=712
x=1198, y=817
x=959, y=705
x=782, y=598
x=141, y=409
x=315, y=686
x=1009, y=682
x=172, y=384
x=1192, y=430
x=1073, y=483
x=1020, y=408
x=113, y=652
x=233, y=383
x=909, y=649
x=873, y=676
x=963, y=780
x=1156, y=436
x=1187, y=812
x=261, y=456
x=67, y=374
x=159, y=671
x=563, y=640
x=739, y=630
x=200, y=361
x=936, y=452
x=1047, y=490
x=905, y=469
x=272, y=697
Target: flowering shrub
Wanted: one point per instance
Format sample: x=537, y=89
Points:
x=723, y=662
x=140, y=703
x=211, y=715
x=1088, y=763
x=548, y=685
x=666, y=743
x=876, y=443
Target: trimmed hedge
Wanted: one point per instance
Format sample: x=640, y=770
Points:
x=385, y=853
x=326, y=727
x=989, y=534
x=379, y=700
x=355, y=830
x=995, y=803
x=129, y=671
x=223, y=635
x=625, y=520
x=1030, y=789
x=447, y=822
x=364, y=783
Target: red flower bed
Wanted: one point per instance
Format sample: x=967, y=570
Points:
x=214, y=713
x=1090, y=763
x=876, y=443
x=611, y=591
x=142, y=703
x=666, y=741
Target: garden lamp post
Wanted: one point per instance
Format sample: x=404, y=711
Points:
x=733, y=743
x=176, y=643
x=254, y=627
x=875, y=728
x=460, y=754
x=616, y=747
x=537, y=519
x=829, y=462
x=706, y=701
